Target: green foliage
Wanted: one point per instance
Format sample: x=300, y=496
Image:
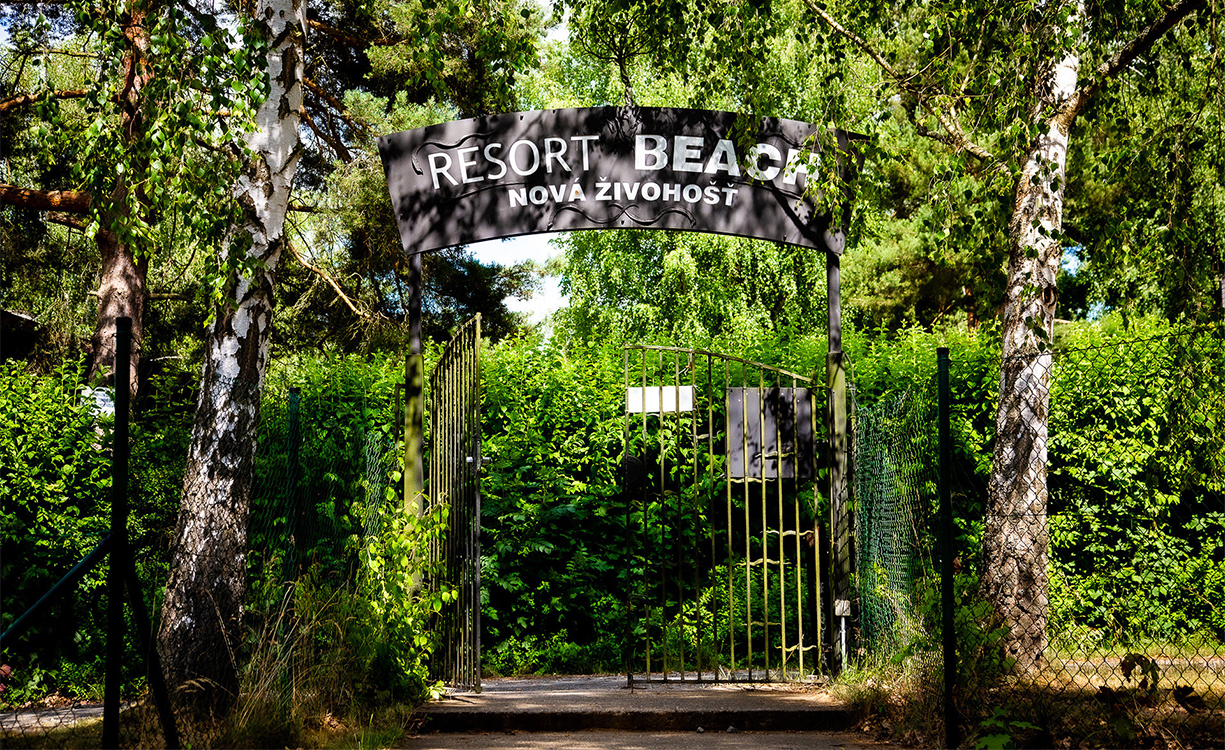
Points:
x=997, y=731
x=323, y=461
x=979, y=633
x=1136, y=486
x=553, y=654
x=55, y=484
x=633, y=287
x=552, y=539
x=316, y=648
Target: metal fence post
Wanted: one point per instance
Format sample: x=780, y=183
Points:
x=293, y=512
x=119, y=538
x=947, y=551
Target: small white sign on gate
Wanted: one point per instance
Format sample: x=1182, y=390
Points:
x=654, y=400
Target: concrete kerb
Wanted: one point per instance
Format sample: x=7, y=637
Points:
x=569, y=704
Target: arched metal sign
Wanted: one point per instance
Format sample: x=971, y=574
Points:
x=627, y=168
x=614, y=168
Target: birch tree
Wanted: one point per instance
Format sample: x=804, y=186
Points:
x=1002, y=86
x=125, y=103
x=202, y=613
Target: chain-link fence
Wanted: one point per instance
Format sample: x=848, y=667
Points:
x=272, y=557
x=1086, y=568
x=892, y=442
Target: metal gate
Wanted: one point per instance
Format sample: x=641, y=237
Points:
x=720, y=476
x=453, y=478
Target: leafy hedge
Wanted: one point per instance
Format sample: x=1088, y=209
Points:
x=55, y=484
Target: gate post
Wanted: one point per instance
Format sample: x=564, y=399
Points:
x=841, y=553
x=414, y=397
x=119, y=532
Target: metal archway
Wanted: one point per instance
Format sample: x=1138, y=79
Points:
x=629, y=168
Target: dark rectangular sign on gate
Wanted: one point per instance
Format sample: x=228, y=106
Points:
x=785, y=415
x=616, y=168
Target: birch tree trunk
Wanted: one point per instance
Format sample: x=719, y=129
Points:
x=1016, y=535
x=202, y=613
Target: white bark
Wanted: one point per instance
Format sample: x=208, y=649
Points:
x=1016, y=534
x=203, y=606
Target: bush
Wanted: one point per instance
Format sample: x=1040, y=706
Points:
x=55, y=502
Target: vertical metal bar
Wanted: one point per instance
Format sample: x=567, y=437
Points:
x=461, y=499
x=680, y=511
x=765, y=525
x=119, y=533
x=646, y=538
x=782, y=551
x=711, y=394
x=454, y=373
x=663, y=514
x=476, y=532
x=458, y=511
x=796, y=456
x=837, y=412
x=731, y=554
x=947, y=549
x=414, y=411
x=701, y=508
x=748, y=531
x=626, y=644
x=818, y=540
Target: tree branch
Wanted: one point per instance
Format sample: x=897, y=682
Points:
x=331, y=101
x=302, y=208
x=346, y=38
x=947, y=120
x=56, y=217
x=27, y=99
x=331, y=282
x=342, y=153
x=74, y=201
x=1128, y=53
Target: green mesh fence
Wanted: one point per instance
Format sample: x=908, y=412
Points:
x=893, y=486
x=1088, y=574
x=323, y=470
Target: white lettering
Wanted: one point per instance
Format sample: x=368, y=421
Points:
x=631, y=189
x=712, y=196
x=464, y=164
x=795, y=166
x=522, y=172
x=616, y=191
x=585, y=140
x=551, y=156
x=693, y=193
x=518, y=197
x=641, y=152
x=730, y=193
x=723, y=158
x=687, y=153
x=539, y=195
x=576, y=193
x=495, y=160
x=601, y=191
x=650, y=192
x=672, y=192
x=755, y=154
x=436, y=169
x=558, y=191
